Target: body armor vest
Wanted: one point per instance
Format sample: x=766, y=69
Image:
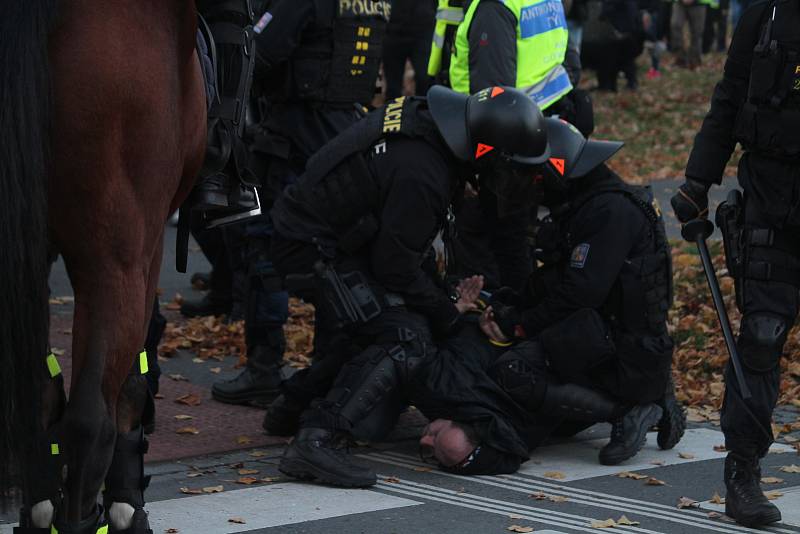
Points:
x=338, y=187
x=769, y=121
x=643, y=292
x=338, y=59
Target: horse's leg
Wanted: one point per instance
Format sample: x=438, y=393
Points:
x=43, y=462
x=125, y=482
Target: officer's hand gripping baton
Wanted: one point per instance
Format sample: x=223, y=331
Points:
x=697, y=231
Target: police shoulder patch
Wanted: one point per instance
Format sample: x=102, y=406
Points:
x=578, y=257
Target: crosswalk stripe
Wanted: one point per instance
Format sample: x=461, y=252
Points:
x=590, y=498
x=486, y=505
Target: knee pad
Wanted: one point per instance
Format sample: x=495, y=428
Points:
x=761, y=341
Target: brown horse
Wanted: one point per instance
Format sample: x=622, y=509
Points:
x=102, y=132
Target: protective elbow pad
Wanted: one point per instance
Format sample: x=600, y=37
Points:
x=761, y=341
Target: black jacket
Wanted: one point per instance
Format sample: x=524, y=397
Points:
x=407, y=184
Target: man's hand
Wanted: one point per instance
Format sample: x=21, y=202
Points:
x=490, y=328
x=691, y=201
x=469, y=289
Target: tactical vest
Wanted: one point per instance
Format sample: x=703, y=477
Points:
x=449, y=15
x=338, y=187
x=541, y=46
x=338, y=59
x=642, y=294
x=769, y=121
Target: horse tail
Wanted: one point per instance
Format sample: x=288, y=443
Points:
x=25, y=100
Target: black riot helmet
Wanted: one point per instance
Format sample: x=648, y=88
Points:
x=500, y=131
x=572, y=156
x=496, y=120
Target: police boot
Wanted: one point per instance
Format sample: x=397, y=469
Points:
x=258, y=384
x=123, y=497
x=211, y=304
x=745, y=502
x=94, y=524
x=322, y=455
x=629, y=433
x=283, y=416
x=577, y=403
x=673, y=419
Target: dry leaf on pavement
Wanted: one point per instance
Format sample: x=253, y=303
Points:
x=237, y=520
x=216, y=370
x=717, y=499
x=178, y=378
x=654, y=482
x=628, y=474
x=392, y=480
x=213, y=489
x=771, y=480
x=625, y=521
x=243, y=440
x=183, y=417
x=772, y=494
x=191, y=491
x=247, y=481
x=686, y=455
x=189, y=399
x=518, y=528
x=557, y=475
x=720, y=448
x=608, y=523
x=187, y=430
x=686, y=502
x=244, y=472
x=790, y=469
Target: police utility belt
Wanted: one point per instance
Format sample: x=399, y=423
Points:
x=739, y=240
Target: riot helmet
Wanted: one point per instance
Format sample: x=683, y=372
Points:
x=499, y=131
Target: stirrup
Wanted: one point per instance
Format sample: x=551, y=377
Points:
x=237, y=217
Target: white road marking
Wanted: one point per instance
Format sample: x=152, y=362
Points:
x=788, y=504
x=577, y=460
x=585, y=497
x=266, y=506
x=494, y=506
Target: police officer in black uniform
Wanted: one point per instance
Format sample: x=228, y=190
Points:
x=605, y=272
x=363, y=218
x=757, y=104
x=316, y=67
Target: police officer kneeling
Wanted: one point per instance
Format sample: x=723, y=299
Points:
x=757, y=104
x=597, y=304
x=363, y=217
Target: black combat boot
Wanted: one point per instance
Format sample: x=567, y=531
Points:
x=673, y=419
x=321, y=455
x=211, y=304
x=629, y=433
x=258, y=384
x=745, y=502
x=283, y=416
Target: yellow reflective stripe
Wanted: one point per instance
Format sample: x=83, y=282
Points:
x=54, y=450
x=53, y=530
x=500, y=343
x=103, y=530
x=52, y=365
x=143, y=367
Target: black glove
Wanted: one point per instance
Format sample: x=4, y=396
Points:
x=506, y=296
x=509, y=319
x=691, y=200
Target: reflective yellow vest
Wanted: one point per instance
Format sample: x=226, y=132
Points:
x=541, y=45
x=450, y=13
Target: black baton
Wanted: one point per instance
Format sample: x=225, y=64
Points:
x=697, y=231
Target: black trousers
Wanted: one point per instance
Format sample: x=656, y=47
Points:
x=769, y=308
x=398, y=49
